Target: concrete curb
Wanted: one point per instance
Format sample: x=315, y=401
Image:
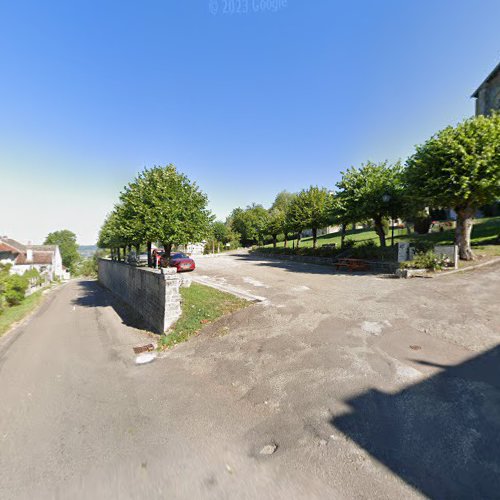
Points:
x=470, y=268
x=238, y=292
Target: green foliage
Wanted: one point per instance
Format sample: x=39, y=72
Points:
x=160, y=205
x=251, y=223
x=18, y=312
x=15, y=289
x=427, y=260
x=374, y=191
x=310, y=209
x=422, y=246
x=165, y=206
x=67, y=246
x=88, y=267
x=458, y=166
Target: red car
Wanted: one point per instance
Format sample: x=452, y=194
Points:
x=182, y=262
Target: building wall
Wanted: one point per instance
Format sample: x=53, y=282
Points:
x=152, y=294
x=57, y=265
x=489, y=97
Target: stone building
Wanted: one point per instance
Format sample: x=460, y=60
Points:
x=488, y=94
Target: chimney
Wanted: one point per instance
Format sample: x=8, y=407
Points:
x=29, y=255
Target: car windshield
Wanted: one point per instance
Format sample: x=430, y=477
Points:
x=179, y=255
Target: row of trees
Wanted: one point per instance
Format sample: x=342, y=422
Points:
x=159, y=205
x=459, y=168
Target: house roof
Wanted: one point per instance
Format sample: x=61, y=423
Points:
x=42, y=254
x=13, y=244
x=8, y=248
x=42, y=248
x=38, y=258
x=488, y=78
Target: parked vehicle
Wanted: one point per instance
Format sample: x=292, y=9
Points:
x=181, y=261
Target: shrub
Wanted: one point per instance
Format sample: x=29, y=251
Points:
x=422, y=246
x=348, y=243
x=370, y=251
x=427, y=260
x=15, y=289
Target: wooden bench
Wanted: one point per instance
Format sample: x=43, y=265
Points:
x=353, y=264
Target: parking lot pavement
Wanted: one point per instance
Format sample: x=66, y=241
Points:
x=331, y=386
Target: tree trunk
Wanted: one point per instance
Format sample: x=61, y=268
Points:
x=168, y=248
x=343, y=229
x=379, y=229
x=285, y=243
x=315, y=236
x=275, y=238
x=465, y=220
x=298, y=239
x=150, y=260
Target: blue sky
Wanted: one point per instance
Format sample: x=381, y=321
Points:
x=246, y=104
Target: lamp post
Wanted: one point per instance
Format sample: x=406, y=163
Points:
x=386, y=198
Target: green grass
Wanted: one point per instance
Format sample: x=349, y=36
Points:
x=201, y=305
x=358, y=235
x=14, y=314
x=484, y=234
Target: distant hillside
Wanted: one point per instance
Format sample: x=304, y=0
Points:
x=87, y=250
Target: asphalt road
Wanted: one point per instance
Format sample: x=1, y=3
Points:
x=363, y=386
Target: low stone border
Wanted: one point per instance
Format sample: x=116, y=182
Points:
x=424, y=273
x=469, y=268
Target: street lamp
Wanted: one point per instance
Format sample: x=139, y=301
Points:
x=386, y=198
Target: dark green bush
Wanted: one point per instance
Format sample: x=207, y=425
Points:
x=422, y=246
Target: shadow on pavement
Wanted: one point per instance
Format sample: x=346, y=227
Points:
x=303, y=267
x=442, y=435
x=95, y=296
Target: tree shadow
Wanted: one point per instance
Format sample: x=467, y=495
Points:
x=442, y=435
x=97, y=296
x=296, y=266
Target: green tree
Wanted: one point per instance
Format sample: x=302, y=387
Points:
x=250, y=223
x=459, y=167
x=310, y=209
x=275, y=223
x=67, y=246
x=279, y=223
x=374, y=191
x=164, y=205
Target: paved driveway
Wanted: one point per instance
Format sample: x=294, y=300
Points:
x=363, y=386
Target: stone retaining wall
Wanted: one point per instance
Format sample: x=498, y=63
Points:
x=153, y=294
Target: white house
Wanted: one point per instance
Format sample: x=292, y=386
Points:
x=46, y=259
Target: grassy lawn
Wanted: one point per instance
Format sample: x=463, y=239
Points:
x=16, y=313
x=484, y=235
x=201, y=305
x=358, y=235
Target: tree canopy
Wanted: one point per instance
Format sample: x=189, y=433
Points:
x=251, y=223
x=159, y=205
x=68, y=246
x=373, y=191
x=459, y=167
x=310, y=209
